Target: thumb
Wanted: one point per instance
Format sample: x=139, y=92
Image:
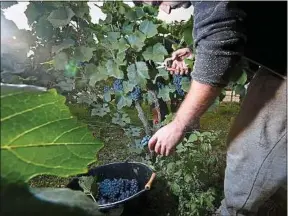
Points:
x=152, y=142
x=176, y=54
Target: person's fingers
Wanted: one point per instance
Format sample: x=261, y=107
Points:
x=163, y=150
x=167, y=151
x=176, y=53
x=158, y=147
x=152, y=142
x=174, y=64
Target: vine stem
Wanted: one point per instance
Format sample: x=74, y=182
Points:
x=143, y=118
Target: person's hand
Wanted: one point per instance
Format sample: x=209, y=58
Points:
x=178, y=64
x=165, y=139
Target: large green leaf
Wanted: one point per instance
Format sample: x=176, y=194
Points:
x=83, y=53
x=242, y=79
x=60, y=17
x=128, y=86
x=164, y=93
x=136, y=40
x=155, y=53
x=148, y=28
x=188, y=35
x=100, y=110
x=96, y=73
x=60, y=61
x=161, y=73
x=113, y=36
x=40, y=136
x=67, y=43
x=113, y=70
x=185, y=83
x=127, y=28
x=138, y=73
x=32, y=13
x=43, y=28
x=124, y=101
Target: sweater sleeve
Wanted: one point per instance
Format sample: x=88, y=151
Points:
x=219, y=40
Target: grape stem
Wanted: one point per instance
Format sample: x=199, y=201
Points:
x=142, y=117
x=90, y=194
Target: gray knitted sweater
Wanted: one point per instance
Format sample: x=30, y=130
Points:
x=224, y=31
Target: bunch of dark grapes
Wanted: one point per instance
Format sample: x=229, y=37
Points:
x=160, y=85
x=113, y=190
x=106, y=89
x=145, y=140
x=118, y=85
x=177, y=82
x=136, y=93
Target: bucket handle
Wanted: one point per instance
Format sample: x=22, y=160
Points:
x=149, y=183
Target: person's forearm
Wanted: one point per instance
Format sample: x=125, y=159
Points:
x=198, y=100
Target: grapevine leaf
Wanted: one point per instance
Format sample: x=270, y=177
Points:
x=149, y=98
x=67, y=43
x=188, y=35
x=121, y=58
x=162, y=73
x=113, y=36
x=66, y=85
x=164, y=93
x=32, y=13
x=192, y=138
x=82, y=10
x=43, y=28
x=240, y=89
x=83, y=53
x=85, y=182
x=136, y=40
x=121, y=9
x=121, y=119
x=85, y=97
x=100, y=110
x=40, y=136
x=97, y=73
x=60, y=17
x=131, y=15
x=128, y=86
x=155, y=53
x=133, y=131
x=113, y=70
x=139, y=12
x=7, y=4
x=185, y=83
x=60, y=61
x=124, y=101
x=148, y=28
x=138, y=73
x=189, y=63
x=127, y=29
x=123, y=45
x=242, y=79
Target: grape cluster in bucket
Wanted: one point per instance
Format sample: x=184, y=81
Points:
x=113, y=190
